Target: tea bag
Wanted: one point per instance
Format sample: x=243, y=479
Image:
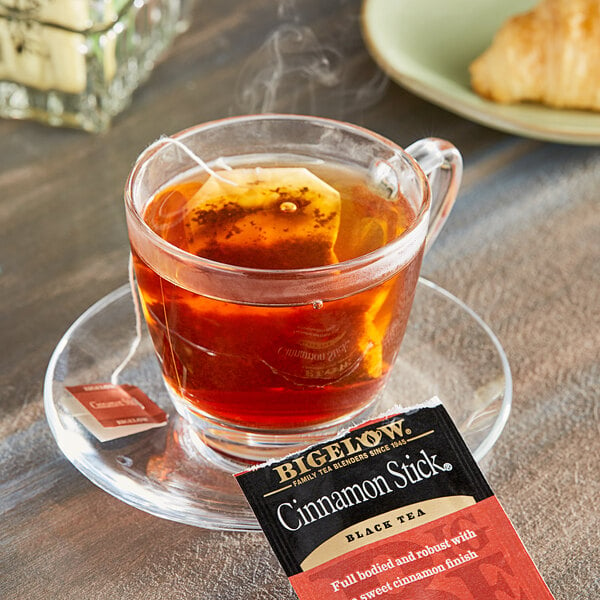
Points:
x=271, y=218
x=278, y=218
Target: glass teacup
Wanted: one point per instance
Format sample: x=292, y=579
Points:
x=277, y=258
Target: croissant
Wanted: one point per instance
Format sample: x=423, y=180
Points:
x=550, y=54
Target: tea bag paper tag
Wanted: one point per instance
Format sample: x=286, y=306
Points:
x=396, y=508
x=110, y=411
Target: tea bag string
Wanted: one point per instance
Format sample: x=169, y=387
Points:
x=114, y=378
x=221, y=163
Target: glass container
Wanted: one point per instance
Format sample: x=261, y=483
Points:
x=76, y=63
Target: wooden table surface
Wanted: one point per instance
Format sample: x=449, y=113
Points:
x=522, y=248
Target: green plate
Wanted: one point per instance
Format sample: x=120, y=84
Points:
x=427, y=45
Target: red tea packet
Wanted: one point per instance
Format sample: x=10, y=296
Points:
x=396, y=508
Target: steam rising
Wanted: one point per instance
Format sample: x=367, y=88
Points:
x=297, y=70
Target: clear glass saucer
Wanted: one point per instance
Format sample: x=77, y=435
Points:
x=447, y=351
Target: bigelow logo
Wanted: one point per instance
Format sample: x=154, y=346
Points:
x=343, y=448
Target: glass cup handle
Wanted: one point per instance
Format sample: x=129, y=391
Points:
x=442, y=164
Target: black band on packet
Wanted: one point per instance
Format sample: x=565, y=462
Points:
x=392, y=507
x=406, y=459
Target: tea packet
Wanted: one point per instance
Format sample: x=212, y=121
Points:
x=395, y=508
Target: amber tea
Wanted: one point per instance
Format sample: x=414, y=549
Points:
x=277, y=367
